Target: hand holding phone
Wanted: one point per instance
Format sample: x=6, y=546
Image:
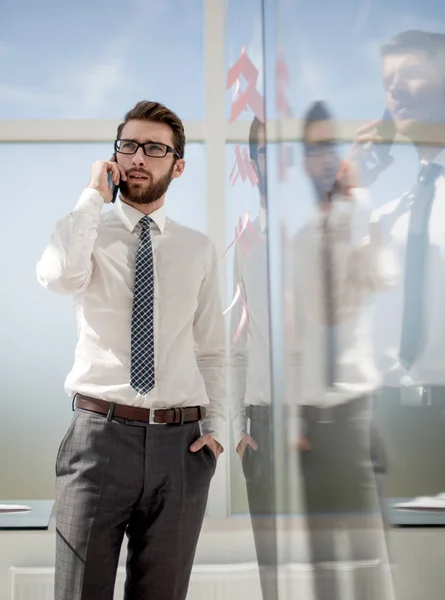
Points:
x=345, y=181
x=372, y=147
x=105, y=178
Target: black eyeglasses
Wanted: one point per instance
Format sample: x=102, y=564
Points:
x=151, y=149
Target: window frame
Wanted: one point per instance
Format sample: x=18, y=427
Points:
x=214, y=132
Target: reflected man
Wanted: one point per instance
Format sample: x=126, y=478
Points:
x=339, y=262
x=410, y=321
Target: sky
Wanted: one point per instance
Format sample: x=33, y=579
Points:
x=95, y=60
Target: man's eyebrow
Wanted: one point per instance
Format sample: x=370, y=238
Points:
x=146, y=142
x=155, y=142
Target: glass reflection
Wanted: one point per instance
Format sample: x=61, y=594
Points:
x=339, y=262
x=250, y=362
x=409, y=320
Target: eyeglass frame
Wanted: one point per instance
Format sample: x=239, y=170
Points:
x=321, y=149
x=169, y=149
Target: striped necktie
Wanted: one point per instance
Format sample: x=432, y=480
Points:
x=142, y=372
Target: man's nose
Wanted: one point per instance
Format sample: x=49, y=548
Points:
x=139, y=158
x=398, y=87
x=329, y=161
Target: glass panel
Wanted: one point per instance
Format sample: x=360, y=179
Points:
x=369, y=376
x=242, y=202
x=97, y=60
x=248, y=282
x=38, y=328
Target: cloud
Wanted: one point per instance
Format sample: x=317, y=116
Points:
x=89, y=86
x=79, y=91
x=362, y=17
x=391, y=27
x=25, y=95
x=313, y=77
x=157, y=7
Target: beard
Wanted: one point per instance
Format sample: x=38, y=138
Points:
x=150, y=191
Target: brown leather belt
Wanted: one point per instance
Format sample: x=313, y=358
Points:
x=167, y=416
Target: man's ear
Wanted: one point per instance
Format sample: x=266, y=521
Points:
x=178, y=169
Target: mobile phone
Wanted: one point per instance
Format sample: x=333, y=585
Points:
x=387, y=130
x=113, y=187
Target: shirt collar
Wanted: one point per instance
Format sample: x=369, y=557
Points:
x=440, y=159
x=131, y=216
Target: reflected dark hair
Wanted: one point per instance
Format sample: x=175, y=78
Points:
x=318, y=111
x=254, y=131
x=417, y=40
x=158, y=113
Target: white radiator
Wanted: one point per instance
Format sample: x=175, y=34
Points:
x=208, y=582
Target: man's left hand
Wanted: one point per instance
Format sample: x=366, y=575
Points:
x=207, y=440
x=346, y=179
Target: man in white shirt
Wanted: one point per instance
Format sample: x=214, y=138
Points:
x=148, y=381
x=250, y=374
x=339, y=262
x=409, y=323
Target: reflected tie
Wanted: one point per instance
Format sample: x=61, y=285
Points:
x=142, y=374
x=416, y=264
x=329, y=306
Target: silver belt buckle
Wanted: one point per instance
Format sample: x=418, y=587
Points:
x=151, y=418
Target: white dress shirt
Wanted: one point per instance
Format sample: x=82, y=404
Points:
x=250, y=358
x=362, y=266
x=429, y=368
x=92, y=255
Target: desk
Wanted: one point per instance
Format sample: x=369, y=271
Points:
x=412, y=518
x=37, y=518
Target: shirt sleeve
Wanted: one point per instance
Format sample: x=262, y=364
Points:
x=66, y=265
x=210, y=350
x=239, y=359
x=371, y=265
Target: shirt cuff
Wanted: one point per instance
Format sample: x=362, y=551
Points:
x=216, y=427
x=90, y=203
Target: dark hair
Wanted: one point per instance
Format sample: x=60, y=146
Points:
x=318, y=111
x=417, y=40
x=254, y=131
x=158, y=113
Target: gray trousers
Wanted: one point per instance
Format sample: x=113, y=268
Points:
x=343, y=513
x=115, y=478
x=259, y=471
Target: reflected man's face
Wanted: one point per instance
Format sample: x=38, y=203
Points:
x=414, y=90
x=322, y=160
